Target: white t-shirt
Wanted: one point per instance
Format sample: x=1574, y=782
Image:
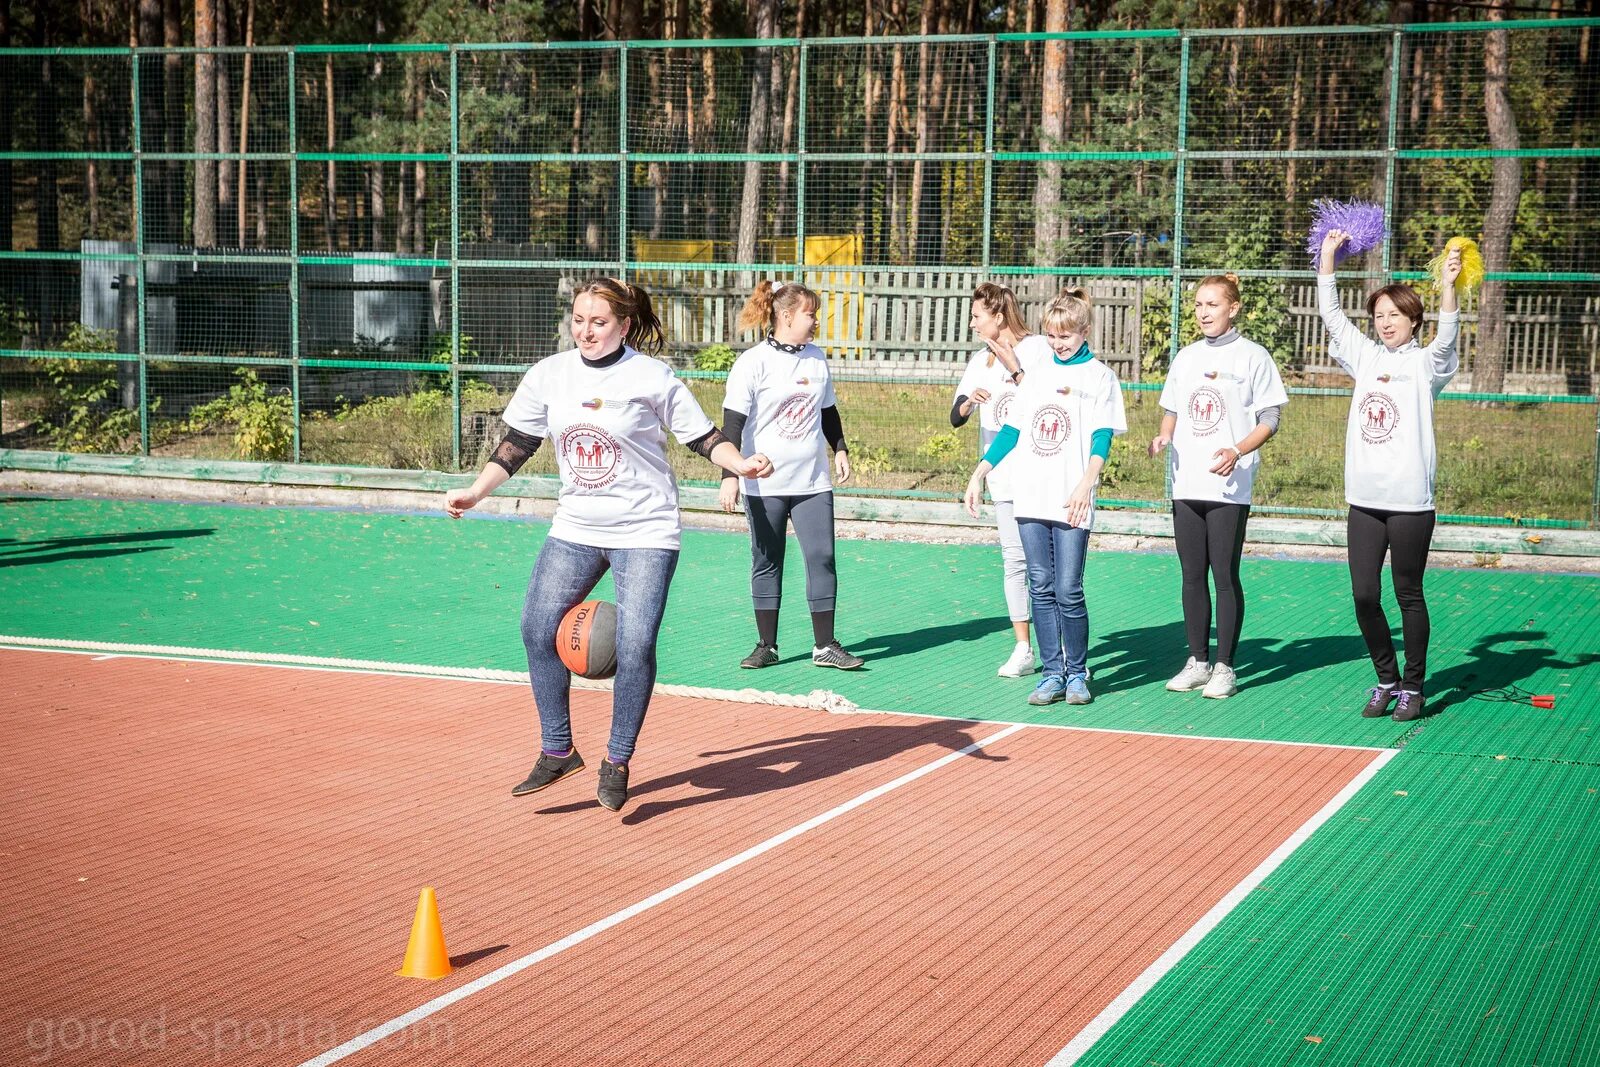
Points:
x=782, y=394
x=1390, y=458
x=1056, y=412
x=1216, y=391
x=608, y=426
x=981, y=374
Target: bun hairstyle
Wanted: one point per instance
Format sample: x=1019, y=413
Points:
x=760, y=312
x=631, y=302
x=1070, y=312
x=1228, y=283
x=1001, y=302
x=1405, y=300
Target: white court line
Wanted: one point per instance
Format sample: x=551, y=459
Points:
x=417, y=1014
x=818, y=700
x=1169, y=959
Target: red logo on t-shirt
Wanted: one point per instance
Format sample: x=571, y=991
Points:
x=1378, y=415
x=590, y=455
x=794, y=417
x=1050, y=429
x=1206, y=410
x=1002, y=406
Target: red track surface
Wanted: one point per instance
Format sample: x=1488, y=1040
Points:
x=212, y=862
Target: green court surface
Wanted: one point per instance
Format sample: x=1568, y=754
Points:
x=1449, y=913
x=929, y=619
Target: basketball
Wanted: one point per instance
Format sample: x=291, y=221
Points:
x=587, y=639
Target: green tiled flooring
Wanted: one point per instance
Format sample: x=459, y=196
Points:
x=1456, y=923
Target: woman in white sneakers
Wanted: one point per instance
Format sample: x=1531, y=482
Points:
x=780, y=401
x=1058, y=437
x=1390, y=460
x=607, y=408
x=989, y=386
x=1221, y=401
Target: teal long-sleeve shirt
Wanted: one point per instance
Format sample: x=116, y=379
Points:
x=1008, y=436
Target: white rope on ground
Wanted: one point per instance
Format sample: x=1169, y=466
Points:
x=816, y=700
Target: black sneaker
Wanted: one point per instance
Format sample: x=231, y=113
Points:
x=613, y=791
x=1378, y=702
x=1408, y=707
x=763, y=655
x=833, y=654
x=547, y=771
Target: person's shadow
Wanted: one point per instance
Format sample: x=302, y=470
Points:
x=879, y=647
x=1496, y=662
x=787, y=762
x=1146, y=655
x=14, y=553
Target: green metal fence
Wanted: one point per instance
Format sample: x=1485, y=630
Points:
x=355, y=265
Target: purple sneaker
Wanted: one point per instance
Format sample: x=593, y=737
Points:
x=1378, y=702
x=1408, y=707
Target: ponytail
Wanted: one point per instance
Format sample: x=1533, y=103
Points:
x=760, y=311
x=1001, y=302
x=631, y=302
x=1228, y=283
x=1072, y=310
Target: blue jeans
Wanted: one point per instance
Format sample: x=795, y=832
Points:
x=1056, y=554
x=563, y=577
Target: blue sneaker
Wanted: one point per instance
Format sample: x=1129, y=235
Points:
x=1049, y=690
x=1078, y=690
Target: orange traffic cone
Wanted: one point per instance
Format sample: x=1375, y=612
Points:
x=426, y=956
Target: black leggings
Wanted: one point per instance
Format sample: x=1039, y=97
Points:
x=812, y=516
x=1404, y=535
x=1210, y=538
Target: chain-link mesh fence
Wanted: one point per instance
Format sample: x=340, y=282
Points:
x=347, y=255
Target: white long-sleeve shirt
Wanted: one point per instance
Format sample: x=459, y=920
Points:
x=1390, y=458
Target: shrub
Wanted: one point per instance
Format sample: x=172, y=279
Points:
x=262, y=421
x=717, y=357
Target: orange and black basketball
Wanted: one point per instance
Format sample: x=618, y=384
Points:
x=587, y=639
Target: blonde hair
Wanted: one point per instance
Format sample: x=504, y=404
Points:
x=760, y=312
x=1070, y=312
x=631, y=302
x=1228, y=283
x=1001, y=302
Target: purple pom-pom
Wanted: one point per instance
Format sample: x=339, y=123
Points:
x=1361, y=219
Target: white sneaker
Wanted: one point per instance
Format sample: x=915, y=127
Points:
x=1194, y=675
x=1222, y=684
x=1020, y=665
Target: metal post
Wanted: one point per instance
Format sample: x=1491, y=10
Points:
x=1177, y=215
x=1396, y=51
x=138, y=254
x=988, y=158
x=455, y=261
x=622, y=163
x=294, y=256
x=1594, y=500
x=800, y=174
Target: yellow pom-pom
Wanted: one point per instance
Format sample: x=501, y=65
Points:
x=1471, y=264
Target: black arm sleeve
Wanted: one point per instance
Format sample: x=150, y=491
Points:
x=833, y=429
x=733, y=429
x=956, y=418
x=704, y=445
x=514, y=449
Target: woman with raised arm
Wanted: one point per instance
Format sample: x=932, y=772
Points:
x=1390, y=460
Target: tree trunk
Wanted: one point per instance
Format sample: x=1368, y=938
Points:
x=226, y=234
x=764, y=21
x=1296, y=104
x=377, y=210
x=870, y=90
x=1489, y=369
x=330, y=195
x=1048, y=225
x=8, y=209
x=791, y=103
x=403, y=194
x=899, y=121
x=708, y=115
x=244, y=114
x=91, y=123
x=205, y=126
x=170, y=225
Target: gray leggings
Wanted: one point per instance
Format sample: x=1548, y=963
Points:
x=812, y=516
